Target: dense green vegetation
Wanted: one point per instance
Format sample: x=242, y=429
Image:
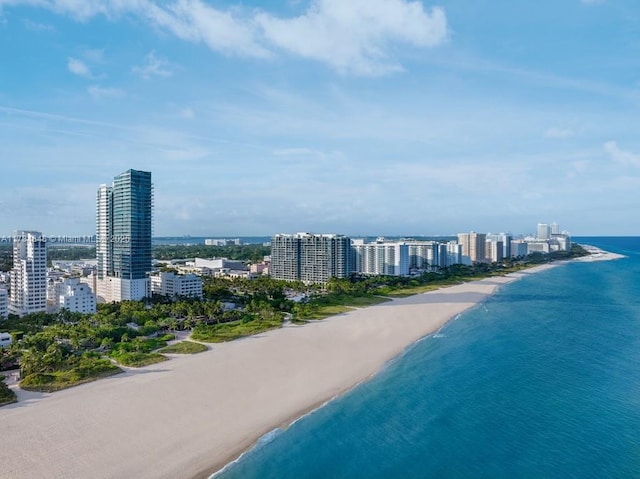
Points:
x=86, y=369
x=137, y=352
x=69, y=253
x=7, y=396
x=229, y=331
x=135, y=359
x=246, y=252
x=184, y=347
x=325, y=305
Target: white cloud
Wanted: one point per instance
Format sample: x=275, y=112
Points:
x=592, y=2
x=353, y=36
x=154, y=66
x=105, y=92
x=221, y=31
x=78, y=67
x=558, y=133
x=621, y=156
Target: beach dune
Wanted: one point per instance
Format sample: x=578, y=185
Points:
x=190, y=416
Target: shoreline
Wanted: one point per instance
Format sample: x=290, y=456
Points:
x=191, y=417
x=217, y=469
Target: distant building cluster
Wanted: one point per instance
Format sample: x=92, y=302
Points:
x=223, y=242
x=124, y=270
x=314, y=258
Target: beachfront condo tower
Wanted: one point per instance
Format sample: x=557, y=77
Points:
x=473, y=247
x=123, y=237
x=29, y=274
x=311, y=258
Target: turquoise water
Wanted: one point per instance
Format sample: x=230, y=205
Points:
x=540, y=381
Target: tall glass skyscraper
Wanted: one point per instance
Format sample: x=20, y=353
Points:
x=124, y=223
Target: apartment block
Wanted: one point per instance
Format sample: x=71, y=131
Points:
x=312, y=258
x=29, y=274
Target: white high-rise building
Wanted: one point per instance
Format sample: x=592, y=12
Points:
x=29, y=274
x=518, y=248
x=454, y=253
x=312, y=258
x=506, y=242
x=473, y=247
x=423, y=254
x=387, y=258
x=4, y=303
x=543, y=231
x=495, y=250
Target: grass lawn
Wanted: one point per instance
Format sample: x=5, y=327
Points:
x=330, y=306
x=218, y=333
x=364, y=301
x=184, y=347
x=138, y=360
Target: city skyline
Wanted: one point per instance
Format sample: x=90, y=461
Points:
x=379, y=117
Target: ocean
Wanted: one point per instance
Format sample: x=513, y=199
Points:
x=542, y=380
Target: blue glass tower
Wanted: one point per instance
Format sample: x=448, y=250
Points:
x=124, y=229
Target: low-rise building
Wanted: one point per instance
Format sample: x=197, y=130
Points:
x=218, y=263
x=173, y=285
x=77, y=297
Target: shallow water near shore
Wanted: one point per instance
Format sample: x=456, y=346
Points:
x=540, y=380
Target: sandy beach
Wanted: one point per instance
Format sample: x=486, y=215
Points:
x=188, y=417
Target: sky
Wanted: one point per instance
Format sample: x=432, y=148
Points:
x=358, y=117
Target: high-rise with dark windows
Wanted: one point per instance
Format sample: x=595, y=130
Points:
x=123, y=237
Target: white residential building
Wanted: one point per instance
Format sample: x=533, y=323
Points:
x=506, y=239
x=543, y=231
x=423, y=254
x=454, y=253
x=311, y=258
x=538, y=247
x=29, y=274
x=386, y=258
x=218, y=264
x=518, y=248
x=473, y=247
x=494, y=250
x=77, y=296
x=4, y=303
x=172, y=285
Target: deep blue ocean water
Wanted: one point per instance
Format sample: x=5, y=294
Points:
x=540, y=381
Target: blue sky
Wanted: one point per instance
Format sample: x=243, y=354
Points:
x=347, y=116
